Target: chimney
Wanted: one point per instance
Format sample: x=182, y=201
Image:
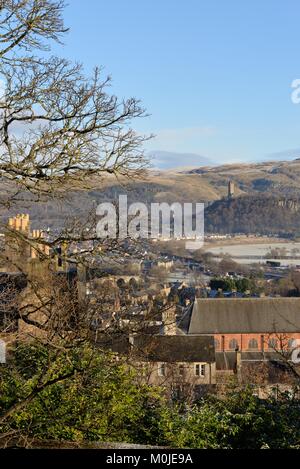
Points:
x=169, y=321
x=18, y=222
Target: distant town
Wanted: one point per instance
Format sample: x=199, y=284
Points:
x=149, y=258
x=209, y=320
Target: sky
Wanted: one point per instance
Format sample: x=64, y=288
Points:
x=215, y=76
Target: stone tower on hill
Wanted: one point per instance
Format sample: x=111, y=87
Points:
x=230, y=189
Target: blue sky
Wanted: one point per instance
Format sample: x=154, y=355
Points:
x=215, y=75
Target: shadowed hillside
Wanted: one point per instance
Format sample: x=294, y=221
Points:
x=252, y=214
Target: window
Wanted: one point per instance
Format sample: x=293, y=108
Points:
x=217, y=344
x=273, y=343
x=181, y=370
x=200, y=369
x=161, y=370
x=253, y=344
x=233, y=344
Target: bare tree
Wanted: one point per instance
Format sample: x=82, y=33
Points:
x=59, y=130
x=26, y=24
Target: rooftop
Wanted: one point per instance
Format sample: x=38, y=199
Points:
x=243, y=315
x=161, y=347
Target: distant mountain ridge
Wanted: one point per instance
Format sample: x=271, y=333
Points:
x=279, y=181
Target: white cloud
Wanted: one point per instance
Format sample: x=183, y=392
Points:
x=284, y=155
x=168, y=160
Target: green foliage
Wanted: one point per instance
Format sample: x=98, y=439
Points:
x=93, y=397
x=239, y=421
x=83, y=394
x=226, y=284
x=229, y=284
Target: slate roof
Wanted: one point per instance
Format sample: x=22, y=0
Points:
x=167, y=348
x=115, y=342
x=162, y=348
x=244, y=315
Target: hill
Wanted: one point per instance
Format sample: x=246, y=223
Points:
x=258, y=188
x=280, y=178
x=252, y=214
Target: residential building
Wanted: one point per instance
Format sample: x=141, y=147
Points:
x=184, y=366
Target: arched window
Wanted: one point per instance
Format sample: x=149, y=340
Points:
x=273, y=343
x=2, y=351
x=233, y=344
x=253, y=344
x=217, y=344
